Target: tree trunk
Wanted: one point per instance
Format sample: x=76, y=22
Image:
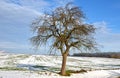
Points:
x=63, y=69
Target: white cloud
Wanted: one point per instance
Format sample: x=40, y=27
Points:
x=62, y=2
x=21, y=48
x=106, y=37
x=101, y=27
x=32, y=4
x=13, y=45
x=15, y=19
x=14, y=13
x=24, y=11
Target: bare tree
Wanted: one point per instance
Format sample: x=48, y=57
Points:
x=66, y=28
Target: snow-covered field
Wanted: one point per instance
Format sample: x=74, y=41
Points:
x=44, y=66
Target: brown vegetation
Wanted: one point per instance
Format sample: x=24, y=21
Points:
x=69, y=72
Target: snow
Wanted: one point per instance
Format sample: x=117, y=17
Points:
x=44, y=66
x=100, y=74
x=91, y=74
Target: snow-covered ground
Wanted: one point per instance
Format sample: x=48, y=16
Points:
x=44, y=66
x=92, y=74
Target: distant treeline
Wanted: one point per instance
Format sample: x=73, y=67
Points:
x=101, y=54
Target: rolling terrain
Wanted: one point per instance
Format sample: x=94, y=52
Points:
x=45, y=66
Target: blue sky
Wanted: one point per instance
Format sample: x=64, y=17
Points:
x=17, y=15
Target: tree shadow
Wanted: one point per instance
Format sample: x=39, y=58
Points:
x=39, y=68
x=114, y=74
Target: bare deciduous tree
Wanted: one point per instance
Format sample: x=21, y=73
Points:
x=66, y=28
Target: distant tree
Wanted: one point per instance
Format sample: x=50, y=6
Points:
x=66, y=28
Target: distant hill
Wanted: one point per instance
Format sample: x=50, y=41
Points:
x=101, y=54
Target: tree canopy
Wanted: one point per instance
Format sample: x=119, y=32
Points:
x=66, y=27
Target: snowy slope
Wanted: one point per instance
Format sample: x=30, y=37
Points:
x=44, y=66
